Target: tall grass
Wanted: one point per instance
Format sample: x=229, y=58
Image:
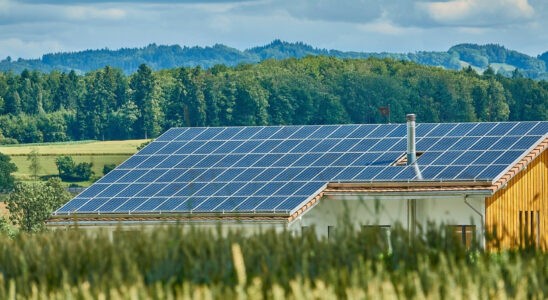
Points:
x=201, y=264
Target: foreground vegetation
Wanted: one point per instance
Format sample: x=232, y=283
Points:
x=198, y=264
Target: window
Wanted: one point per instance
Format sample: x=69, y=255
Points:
x=379, y=233
x=330, y=232
x=464, y=233
x=529, y=228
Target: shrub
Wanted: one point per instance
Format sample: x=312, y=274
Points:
x=107, y=168
x=70, y=171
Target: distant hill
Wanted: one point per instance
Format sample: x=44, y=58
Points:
x=479, y=57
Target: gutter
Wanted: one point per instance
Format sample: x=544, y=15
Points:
x=482, y=220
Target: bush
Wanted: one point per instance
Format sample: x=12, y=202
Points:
x=107, y=168
x=70, y=171
x=8, y=141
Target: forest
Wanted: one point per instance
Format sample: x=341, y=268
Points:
x=159, y=57
x=106, y=104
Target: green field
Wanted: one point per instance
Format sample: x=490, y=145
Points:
x=99, y=153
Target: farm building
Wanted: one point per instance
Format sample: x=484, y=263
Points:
x=474, y=177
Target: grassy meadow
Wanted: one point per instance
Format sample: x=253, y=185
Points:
x=169, y=263
x=99, y=153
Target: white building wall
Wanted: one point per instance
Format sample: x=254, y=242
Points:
x=388, y=210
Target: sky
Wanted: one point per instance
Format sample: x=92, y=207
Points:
x=31, y=28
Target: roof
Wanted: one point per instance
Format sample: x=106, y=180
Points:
x=279, y=170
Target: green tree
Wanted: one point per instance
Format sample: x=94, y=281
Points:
x=6, y=168
x=30, y=205
x=34, y=163
x=65, y=166
x=69, y=170
x=145, y=94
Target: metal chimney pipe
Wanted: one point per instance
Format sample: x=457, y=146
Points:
x=411, y=151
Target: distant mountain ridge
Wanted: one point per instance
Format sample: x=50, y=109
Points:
x=158, y=57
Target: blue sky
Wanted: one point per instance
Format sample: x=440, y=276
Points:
x=30, y=28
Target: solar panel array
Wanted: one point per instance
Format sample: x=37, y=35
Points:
x=276, y=169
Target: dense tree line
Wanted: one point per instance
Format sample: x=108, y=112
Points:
x=106, y=104
x=159, y=57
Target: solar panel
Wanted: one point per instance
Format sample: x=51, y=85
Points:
x=277, y=168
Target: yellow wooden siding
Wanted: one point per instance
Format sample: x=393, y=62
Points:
x=527, y=193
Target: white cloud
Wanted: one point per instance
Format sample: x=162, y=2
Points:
x=89, y=13
x=478, y=12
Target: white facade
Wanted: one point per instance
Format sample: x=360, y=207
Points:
x=387, y=210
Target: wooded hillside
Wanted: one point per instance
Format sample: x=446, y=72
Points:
x=160, y=57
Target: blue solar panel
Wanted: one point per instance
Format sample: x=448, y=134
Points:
x=501, y=129
x=540, y=129
x=382, y=131
x=249, y=204
x=171, y=189
x=112, y=204
x=171, y=148
x=91, y=206
x=230, y=203
x=170, y=204
x=277, y=168
x=227, y=147
x=208, y=147
x=290, y=203
x=525, y=142
x=171, y=134
x=132, y=162
x=209, y=133
x=304, y=132
x=422, y=129
x=441, y=130
x=269, y=189
x=209, y=204
x=170, y=161
x=284, y=132
x=189, y=134
x=267, y=146
x=343, y=131
x=130, y=205
x=190, y=161
x=368, y=173
x=112, y=190
x=265, y=133
x=152, y=148
x=443, y=144
x=189, y=147
x=491, y=172
x=151, y=190
x=228, y=133
x=364, y=145
x=284, y=146
x=246, y=133
x=446, y=158
x=72, y=205
x=189, y=204
x=247, y=147
x=348, y=173
x=450, y=172
x=150, y=204
x=112, y=176
x=461, y=129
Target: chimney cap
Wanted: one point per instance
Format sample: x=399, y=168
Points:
x=410, y=117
